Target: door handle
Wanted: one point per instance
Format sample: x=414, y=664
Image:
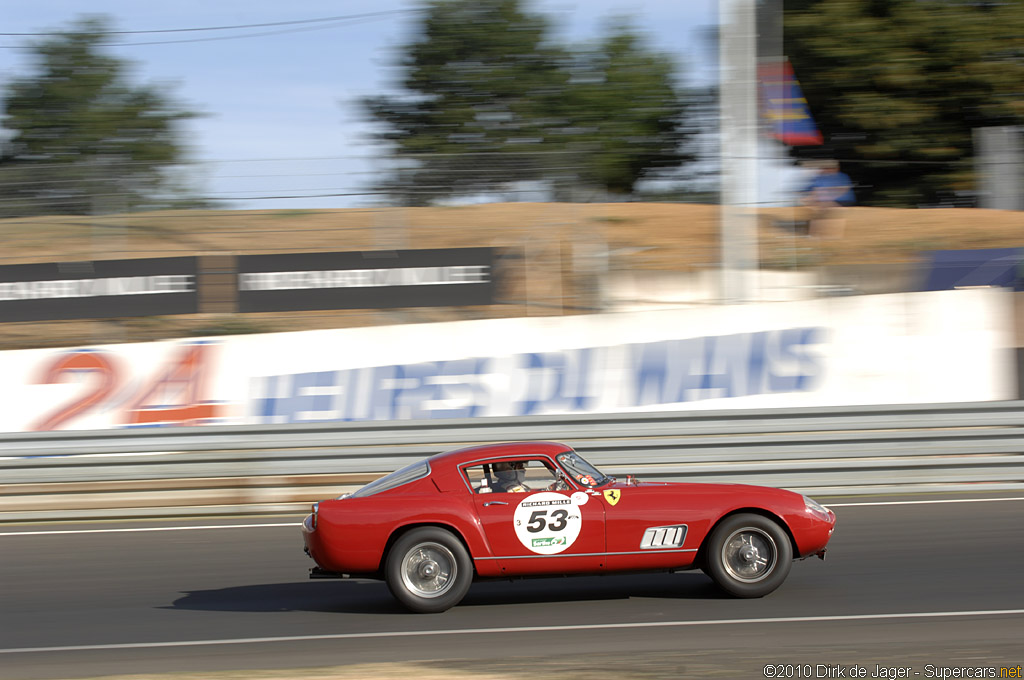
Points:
x=490, y=503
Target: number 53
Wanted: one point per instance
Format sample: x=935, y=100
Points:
x=538, y=521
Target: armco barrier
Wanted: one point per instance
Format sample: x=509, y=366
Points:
x=258, y=469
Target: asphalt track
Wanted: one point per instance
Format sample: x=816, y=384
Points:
x=930, y=587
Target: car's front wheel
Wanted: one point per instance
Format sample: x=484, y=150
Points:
x=748, y=555
x=428, y=570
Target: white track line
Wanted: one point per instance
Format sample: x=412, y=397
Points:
x=520, y=629
x=923, y=502
x=139, y=529
x=295, y=524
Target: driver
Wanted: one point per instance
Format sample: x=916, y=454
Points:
x=510, y=477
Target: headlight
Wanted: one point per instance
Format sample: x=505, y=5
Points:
x=817, y=509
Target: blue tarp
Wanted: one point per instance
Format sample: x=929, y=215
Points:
x=949, y=269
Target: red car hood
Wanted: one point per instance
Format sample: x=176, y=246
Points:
x=708, y=489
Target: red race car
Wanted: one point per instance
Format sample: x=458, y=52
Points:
x=539, y=508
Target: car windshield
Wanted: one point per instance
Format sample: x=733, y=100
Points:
x=407, y=474
x=580, y=470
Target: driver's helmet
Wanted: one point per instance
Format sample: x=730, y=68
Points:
x=510, y=474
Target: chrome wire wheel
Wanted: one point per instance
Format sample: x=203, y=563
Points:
x=749, y=554
x=429, y=570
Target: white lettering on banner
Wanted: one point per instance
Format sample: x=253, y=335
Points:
x=365, y=278
x=567, y=381
x=78, y=288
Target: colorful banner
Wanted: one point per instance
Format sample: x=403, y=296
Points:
x=783, y=105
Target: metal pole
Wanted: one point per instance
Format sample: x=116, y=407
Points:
x=1000, y=167
x=738, y=125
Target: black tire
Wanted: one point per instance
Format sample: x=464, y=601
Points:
x=748, y=555
x=428, y=570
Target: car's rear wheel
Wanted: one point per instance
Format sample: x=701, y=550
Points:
x=428, y=570
x=748, y=555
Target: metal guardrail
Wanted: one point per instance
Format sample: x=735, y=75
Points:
x=203, y=470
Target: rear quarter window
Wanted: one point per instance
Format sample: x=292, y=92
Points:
x=410, y=473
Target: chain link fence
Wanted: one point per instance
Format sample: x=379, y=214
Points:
x=556, y=239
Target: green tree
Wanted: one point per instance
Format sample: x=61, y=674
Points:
x=82, y=138
x=626, y=112
x=489, y=99
x=897, y=87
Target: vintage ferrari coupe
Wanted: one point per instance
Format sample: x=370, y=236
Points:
x=539, y=509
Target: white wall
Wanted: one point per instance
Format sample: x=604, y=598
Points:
x=906, y=348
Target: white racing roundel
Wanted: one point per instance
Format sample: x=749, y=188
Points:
x=548, y=523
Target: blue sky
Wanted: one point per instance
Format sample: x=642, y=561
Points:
x=291, y=95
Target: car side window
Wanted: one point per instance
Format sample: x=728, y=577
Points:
x=511, y=476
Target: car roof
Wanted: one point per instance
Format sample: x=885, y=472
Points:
x=471, y=453
x=444, y=467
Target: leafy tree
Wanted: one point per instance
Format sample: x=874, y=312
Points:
x=622, y=103
x=477, y=79
x=83, y=139
x=489, y=100
x=897, y=87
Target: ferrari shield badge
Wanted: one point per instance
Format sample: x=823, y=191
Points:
x=612, y=496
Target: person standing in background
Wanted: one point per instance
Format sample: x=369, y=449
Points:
x=829, y=190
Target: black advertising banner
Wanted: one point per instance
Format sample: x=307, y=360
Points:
x=96, y=290
x=450, y=277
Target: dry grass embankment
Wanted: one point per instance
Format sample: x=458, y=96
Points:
x=558, y=244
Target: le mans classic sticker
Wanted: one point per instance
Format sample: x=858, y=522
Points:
x=548, y=523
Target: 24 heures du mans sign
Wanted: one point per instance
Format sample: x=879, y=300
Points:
x=99, y=289
x=450, y=277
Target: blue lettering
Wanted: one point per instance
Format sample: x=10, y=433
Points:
x=811, y=363
x=556, y=381
x=670, y=371
x=382, y=393
x=460, y=388
x=413, y=389
x=723, y=355
x=302, y=397
x=687, y=369
x=443, y=389
x=651, y=379
x=581, y=397
x=726, y=366
x=270, y=406
x=349, y=382
x=783, y=374
x=756, y=364
x=535, y=375
x=313, y=397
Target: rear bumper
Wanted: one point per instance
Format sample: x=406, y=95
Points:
x=308, y=536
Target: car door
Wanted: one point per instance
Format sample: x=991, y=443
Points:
x=651, y=526
x=543, y=532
